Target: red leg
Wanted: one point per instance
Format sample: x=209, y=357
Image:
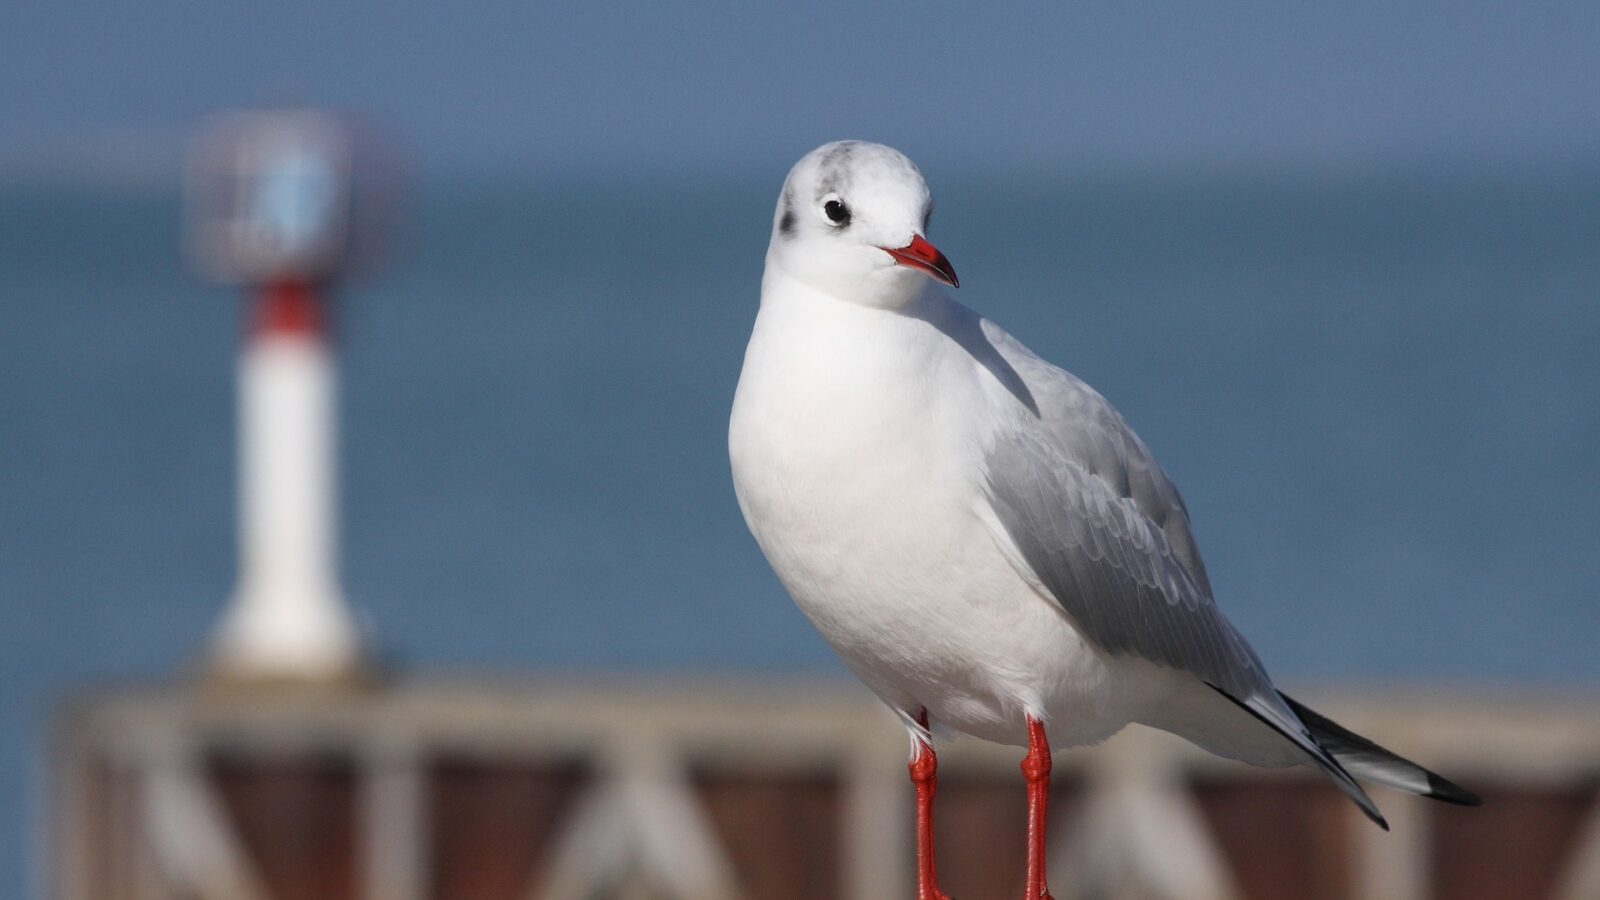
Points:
x=1036, y=770
x=924, y=767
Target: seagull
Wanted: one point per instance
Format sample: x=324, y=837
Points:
x=980, y=535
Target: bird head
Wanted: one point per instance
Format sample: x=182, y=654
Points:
x=851, y=221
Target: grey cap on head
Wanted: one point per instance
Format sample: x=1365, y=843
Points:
x=841, y=168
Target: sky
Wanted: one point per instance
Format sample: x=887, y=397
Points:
x=107, y=91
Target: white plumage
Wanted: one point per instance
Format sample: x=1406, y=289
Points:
x=977, y=533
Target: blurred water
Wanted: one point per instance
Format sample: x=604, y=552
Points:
x=1378, y=393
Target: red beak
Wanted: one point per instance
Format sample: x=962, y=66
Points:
x=919, y=254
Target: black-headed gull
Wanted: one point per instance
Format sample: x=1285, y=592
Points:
x=979, y=534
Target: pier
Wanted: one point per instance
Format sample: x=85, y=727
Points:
x=461, y=789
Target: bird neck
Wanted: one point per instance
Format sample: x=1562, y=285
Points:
x=891, y=289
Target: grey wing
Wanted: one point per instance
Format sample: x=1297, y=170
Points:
x=1104, y=531
x=1110, y=565
x=1099, y=526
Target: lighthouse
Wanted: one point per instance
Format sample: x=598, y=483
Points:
x=270, y=205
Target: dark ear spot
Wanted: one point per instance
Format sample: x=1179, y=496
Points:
x=786, y=222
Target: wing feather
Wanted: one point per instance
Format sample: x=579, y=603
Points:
x=1109, y=566
x=1096, y=522
x=1099, y=525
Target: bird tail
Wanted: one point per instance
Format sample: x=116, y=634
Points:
x=1370, y=762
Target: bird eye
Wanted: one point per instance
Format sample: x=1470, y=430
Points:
x=837, y=212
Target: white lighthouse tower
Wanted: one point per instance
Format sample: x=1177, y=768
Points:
x=270, y=202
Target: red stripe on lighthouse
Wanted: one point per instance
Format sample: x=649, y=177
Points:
x=288, y=307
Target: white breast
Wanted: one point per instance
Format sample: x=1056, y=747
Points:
x=856, y=462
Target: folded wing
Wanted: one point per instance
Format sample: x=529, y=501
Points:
x=1097, y=524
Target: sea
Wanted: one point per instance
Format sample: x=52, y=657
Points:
x=1378, y=390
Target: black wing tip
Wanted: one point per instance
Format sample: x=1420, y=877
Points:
x=1319, y=754
x=1447, y=791
x=1365, y=804
x=1439, y=787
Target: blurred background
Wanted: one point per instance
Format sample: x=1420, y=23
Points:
x=1339, y=265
